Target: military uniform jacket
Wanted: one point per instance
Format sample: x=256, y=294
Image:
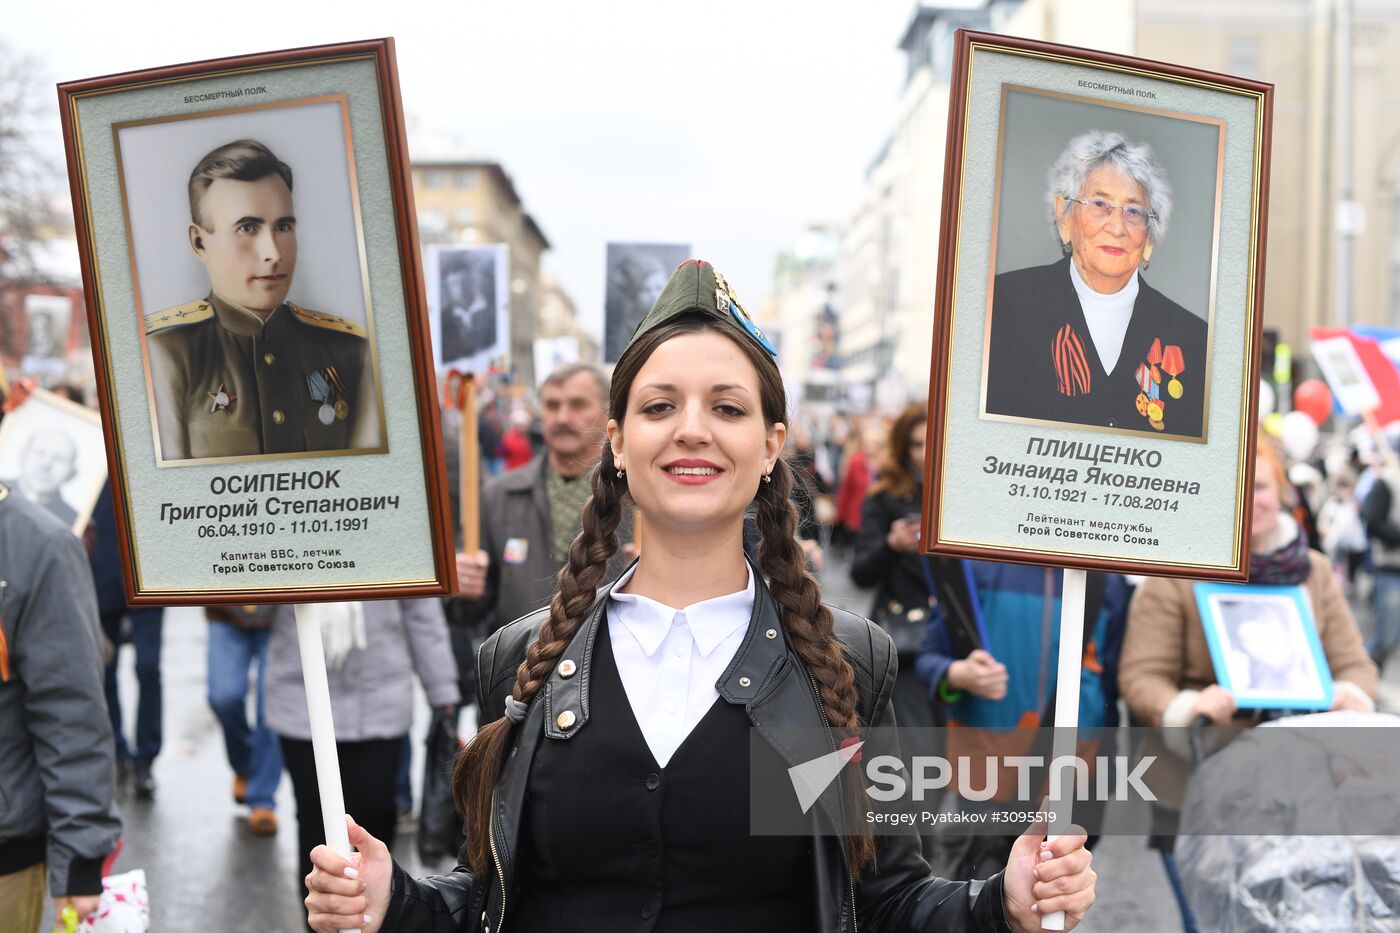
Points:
x=227, y=384
x=1042, y=362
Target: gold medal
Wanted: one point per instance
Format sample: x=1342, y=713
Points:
x=342, y=410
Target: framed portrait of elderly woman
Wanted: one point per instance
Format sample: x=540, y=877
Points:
x=1095, y=358
x=256, y=303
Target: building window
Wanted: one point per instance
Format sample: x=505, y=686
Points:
x=435, y=178
x=464, y=178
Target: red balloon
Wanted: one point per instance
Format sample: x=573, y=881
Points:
x=1314, y=399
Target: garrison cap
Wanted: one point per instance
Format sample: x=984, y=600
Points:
x=698, y=286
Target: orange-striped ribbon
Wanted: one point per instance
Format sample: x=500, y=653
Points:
x=4, y=655
x=1071, y=365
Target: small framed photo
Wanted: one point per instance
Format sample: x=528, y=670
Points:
x=52, y=453
x=1264, y=644
x=1099, y=309
x=469, y=304
x=255, y=296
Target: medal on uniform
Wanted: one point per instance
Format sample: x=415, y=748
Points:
x=1144, y=379
x=1149, y=380
x=1175, y=365
x=221, y=400
x=326, y=387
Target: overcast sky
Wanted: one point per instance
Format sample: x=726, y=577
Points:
x=729, y=125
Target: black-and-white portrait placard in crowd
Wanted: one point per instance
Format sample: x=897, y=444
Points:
x=51, y=453
x=1100, y=293
x=254, y=294
x=49, y=319
x=636, y=274
x=469, y=305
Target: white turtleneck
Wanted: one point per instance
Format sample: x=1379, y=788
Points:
x=1106, y=315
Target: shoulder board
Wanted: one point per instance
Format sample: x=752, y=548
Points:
x=189, y=313
x=328, y=321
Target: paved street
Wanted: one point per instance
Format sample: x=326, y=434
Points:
x=208, y=873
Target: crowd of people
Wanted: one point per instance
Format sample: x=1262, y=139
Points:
x=734, y=511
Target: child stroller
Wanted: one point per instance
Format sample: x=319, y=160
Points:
x=1273, y=883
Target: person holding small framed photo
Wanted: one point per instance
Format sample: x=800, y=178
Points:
x=1167, y=674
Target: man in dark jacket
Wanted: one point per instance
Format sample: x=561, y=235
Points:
x=56, y=767
x=530, y=516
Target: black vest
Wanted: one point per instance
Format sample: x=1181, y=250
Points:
x=614, y=843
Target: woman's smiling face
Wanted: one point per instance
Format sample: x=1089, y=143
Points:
x=1106, y=250
x=693, y=443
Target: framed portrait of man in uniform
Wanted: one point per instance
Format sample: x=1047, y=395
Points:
x=1094, y=370
x=243, y=358
x=256, y=304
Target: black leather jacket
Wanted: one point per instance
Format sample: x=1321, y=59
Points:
x=768, y=679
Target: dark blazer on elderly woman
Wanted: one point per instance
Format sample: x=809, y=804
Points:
x=1042, y=363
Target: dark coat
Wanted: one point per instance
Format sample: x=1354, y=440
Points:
x=516, y=532
x=770, y=682
x=900, y=578
x=1030, y=310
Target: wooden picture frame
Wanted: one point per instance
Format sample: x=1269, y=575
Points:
x=255, y=294
x=1120, y=437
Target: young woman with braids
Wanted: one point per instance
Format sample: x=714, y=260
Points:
x=611, y=791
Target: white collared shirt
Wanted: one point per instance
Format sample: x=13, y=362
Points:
x=670, y=659
x=1106, y=315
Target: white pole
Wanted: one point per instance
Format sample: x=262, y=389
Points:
x=1067, y=707
x=318, y=709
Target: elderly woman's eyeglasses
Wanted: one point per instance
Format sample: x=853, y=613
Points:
x=1102, y=209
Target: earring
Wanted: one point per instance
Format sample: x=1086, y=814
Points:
x=768, y=477
x=1145, y=265
x=1066, y=248
x=620, y=474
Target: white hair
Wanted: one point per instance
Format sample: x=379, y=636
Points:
x=1098, y=148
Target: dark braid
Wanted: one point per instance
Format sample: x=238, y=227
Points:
x=479, y=764
x=810, y=627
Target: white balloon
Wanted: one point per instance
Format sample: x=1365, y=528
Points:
x=1299, y=435
x=1267, y=400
